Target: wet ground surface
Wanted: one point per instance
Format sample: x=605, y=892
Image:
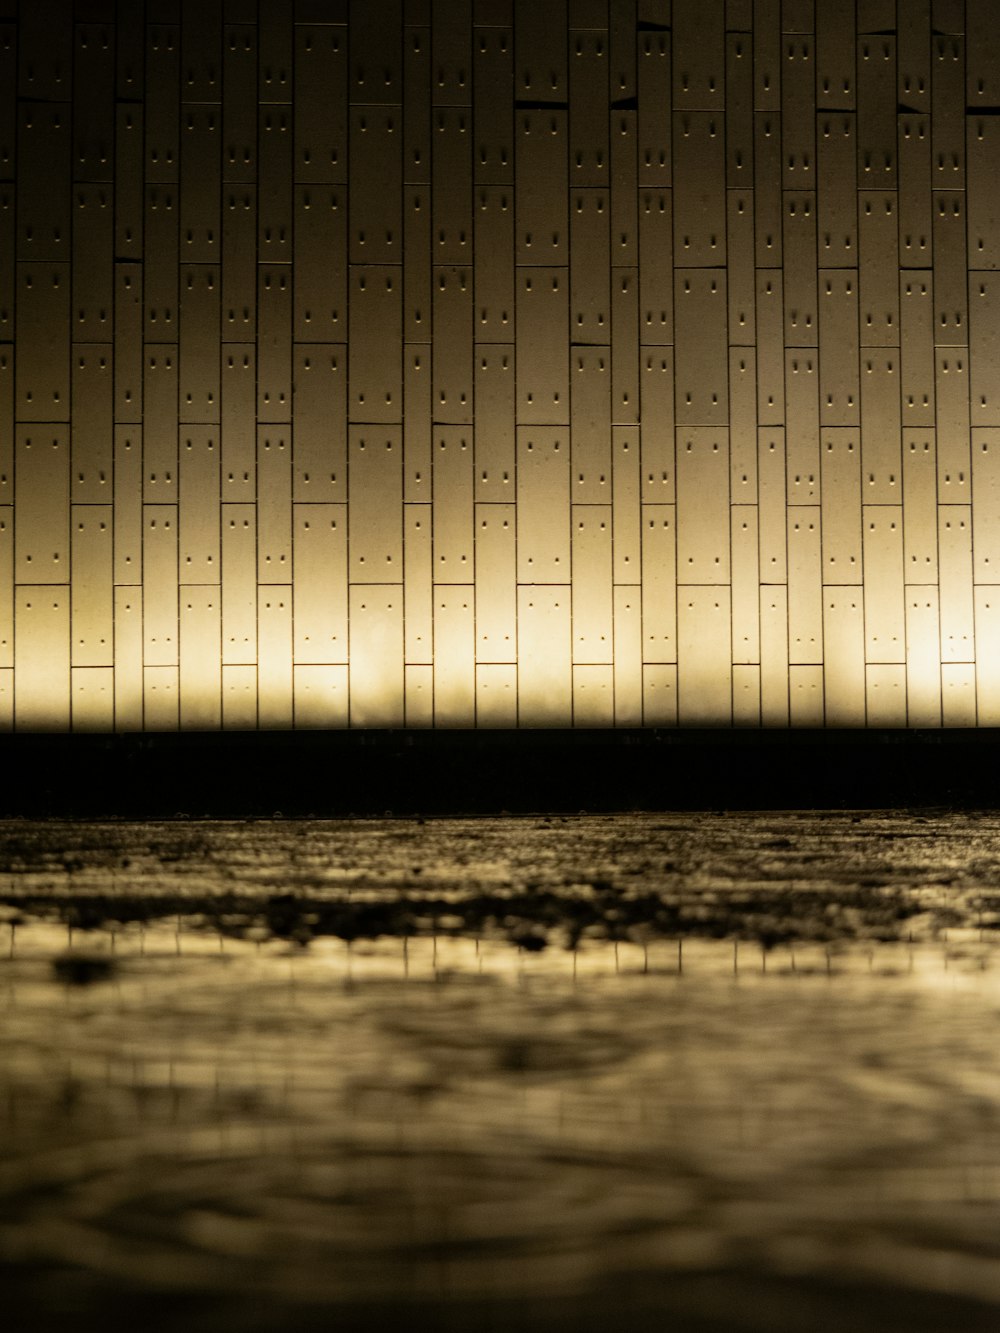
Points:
x=719, y=1070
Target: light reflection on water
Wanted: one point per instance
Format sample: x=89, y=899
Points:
x=236, y=1132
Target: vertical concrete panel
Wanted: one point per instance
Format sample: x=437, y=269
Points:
x=41, y=658
x=6, y=588
x=593, y=696
x=320, y=697
x=496, y=695
x=239, y=698
x=274, y=657
x=590, y=420
x=375, y=505
x=320, y=103
x=418, y=583
x=376, y=667
x=588, y=100
x=93, y=698
x=542, y=385
x=41, y=499
x=161, y=698
x=319, y=574
x=128, y=659
x=920, y=516
x=744, y=544
x=274, y=504
x=805, y=696
x=704, y=657
x=844, y=657
x=629, y=675
x=955, y=583
x=774, y=671
x=593, y=598
x=543, y=489
x=319, y=422
x=454, y=656
x=239, y=586
x=746, y=696
x=923, y=657
x=92, y=598
x=200, y=674
x=885, y=634
x=805, y=586
x=545, y=679
x=496, y=583
x=702, y=505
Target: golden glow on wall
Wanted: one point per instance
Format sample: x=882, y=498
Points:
x=496, y=362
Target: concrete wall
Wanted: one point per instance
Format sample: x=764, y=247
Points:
x=586, y=362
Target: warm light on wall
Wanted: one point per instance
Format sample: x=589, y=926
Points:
x=599, y=363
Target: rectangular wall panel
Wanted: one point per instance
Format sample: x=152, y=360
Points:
x=701, y=355
x=239, y=698
x=92, y=598
x=543, y=487
x=42, y=327
x=885, y=634
x=702, y=506
x=496, y=695
x=7, y=589
x=93, y=698
x=375, y=313
x=805, y=586
x=274, y=504
x=128, y=659
x=923, y=657
x=629, y=675
x=319, y=569
x=320, y=102
x=375, y=505
x=319, y=422
x=239, y=585
x=41, y=658
x=454, y=673
x=319, y=264
x=593, y=597
x=542, y=386
x=593, y=696
x=704, y=658
x=987, y=655
x=41, y=497
x=955, y=582
x=200, y=673
x=805, y=696
x=545, y=681
x=321, y=698
x=376, y=667
x=274, y=657
x=496, y=583
x=843, y=657
x=774, y=669
x=161, y=698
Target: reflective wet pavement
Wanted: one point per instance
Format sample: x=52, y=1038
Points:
x=706, y=1072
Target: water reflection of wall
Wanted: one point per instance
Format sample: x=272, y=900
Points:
x=602, y=363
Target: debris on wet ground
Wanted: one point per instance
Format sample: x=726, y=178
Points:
x=83, y=969
x=773, y=879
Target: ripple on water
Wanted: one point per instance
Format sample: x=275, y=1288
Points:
x=237, y=1130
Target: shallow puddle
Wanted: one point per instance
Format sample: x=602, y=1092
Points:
x=706, y=1072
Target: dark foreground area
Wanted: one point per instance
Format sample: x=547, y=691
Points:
x=238, y=774
x=637, y=1072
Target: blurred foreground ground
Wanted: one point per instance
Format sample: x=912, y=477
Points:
x=700, y=1071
